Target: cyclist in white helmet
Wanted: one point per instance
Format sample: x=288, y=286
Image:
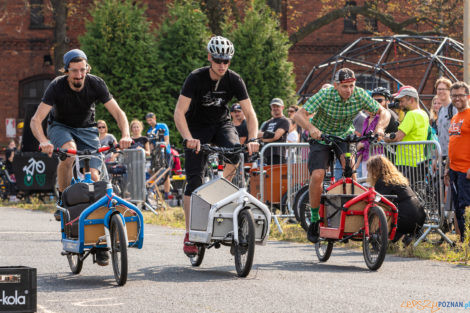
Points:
x=202, y=116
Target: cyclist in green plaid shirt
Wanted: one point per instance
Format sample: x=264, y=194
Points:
x=335, y=109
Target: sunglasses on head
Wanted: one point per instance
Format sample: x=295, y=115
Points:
x=220, y=61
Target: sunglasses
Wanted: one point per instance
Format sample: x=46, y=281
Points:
x=380, y=100
x=220, y=61
x=101, y=127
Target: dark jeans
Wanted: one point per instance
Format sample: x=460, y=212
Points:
x=460, y=188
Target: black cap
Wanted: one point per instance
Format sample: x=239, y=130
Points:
x=149, y=115
x=236, y=107
x=344, y=75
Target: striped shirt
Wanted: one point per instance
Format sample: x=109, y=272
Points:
x=333, y=115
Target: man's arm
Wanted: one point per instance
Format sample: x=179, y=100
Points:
x=399, y=135
x=181, y=108
x=36, y=128
x=121, y=119
x=384, y=119
x=301, y=118
x=251, y=124
x=277, y=134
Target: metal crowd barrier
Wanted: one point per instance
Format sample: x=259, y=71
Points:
x=278, y=183
x=414, y=160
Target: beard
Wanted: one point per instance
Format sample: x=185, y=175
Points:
x=77, y=84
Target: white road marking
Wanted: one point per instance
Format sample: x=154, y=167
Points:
x=89, y=302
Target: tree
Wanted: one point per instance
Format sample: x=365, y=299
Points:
x=121, y=49
x=413, y=17
x=261, y=57
x=182, y=40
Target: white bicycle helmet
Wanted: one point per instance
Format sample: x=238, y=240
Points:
x=220, y=48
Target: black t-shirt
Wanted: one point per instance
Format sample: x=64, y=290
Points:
x=72, y=108
x=274, y=124
x=209, y=100
x=8, y=164
x=139, y=142
x=242, y=130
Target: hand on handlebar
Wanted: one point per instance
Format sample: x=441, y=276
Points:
x=194, y=144
x=253, y=147
x=315, y=134
x=46, y=147
x=125, y=142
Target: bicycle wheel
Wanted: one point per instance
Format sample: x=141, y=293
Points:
x=4, y=187
x=118, y=250
x=245, y=249
x=304, y=210
x=75, y=263
x=295, y=205
x=196, y=260
x=375, y=246
x=323, y=249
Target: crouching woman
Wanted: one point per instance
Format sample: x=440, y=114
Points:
x=388, y=180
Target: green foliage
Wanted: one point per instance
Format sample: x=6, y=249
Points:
x=182, y=39
x=261, y=58
x=121, y=49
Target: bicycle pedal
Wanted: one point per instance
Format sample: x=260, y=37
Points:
x=189, y=243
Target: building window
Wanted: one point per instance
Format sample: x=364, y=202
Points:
x=350, y=21
x=36, y=13
x=369, y=82
x=31, y=92
x=370, y=25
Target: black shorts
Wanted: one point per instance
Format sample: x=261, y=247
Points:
x=224, y=135
x=319, y=155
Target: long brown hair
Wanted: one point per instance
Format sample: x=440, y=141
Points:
x=379, y=167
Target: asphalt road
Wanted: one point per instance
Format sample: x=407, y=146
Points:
x=286, y=277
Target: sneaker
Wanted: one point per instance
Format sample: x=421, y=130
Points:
x=102, y=257
x=313, y=233
x=189, y=248
x=57, y=215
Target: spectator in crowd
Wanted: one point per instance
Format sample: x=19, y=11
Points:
x=291, y=110
x=153, y=132
x=388, y=180
x=106, y=139
x=10, y=155
x=413, y=128
x=370, y=123
x=457, y=173
x=434, y=111
x=293, y=135
x=382, y=96
x=239, y=121
x=279, y=125
x=139, y=141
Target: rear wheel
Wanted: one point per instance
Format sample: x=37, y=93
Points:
x=118, y=249
x=75, y=263
x=323, y=249
x=196, y=260
x=375, y=246
x=304, y=210
x=245, y=249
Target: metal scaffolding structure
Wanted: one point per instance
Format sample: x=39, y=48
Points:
x=385, y=59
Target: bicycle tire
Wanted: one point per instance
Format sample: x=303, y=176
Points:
x=75, y=263
x=323, y=249
x=196, y=260
x=375, y=246
x=295, y=205
x=304, y=210
x=118, y=250
x=245, y=249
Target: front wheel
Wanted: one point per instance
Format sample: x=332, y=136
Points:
x=323, y=249
x=304, y=210
x=118, y=249
x=196, y=260
x=75, y=263
x=375, y=246
x=245, y=249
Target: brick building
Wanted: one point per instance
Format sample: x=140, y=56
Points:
x=26, y=40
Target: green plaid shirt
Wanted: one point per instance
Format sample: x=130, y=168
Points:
x=335, y=116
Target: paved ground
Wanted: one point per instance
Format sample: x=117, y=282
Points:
x=286, y=277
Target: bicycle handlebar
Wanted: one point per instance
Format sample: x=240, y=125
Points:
x=348, y=139
x=64, y=153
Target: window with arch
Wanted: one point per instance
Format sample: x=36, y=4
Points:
x=369, y=82
x=31, y=91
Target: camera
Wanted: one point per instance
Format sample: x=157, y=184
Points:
x=395, y=104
